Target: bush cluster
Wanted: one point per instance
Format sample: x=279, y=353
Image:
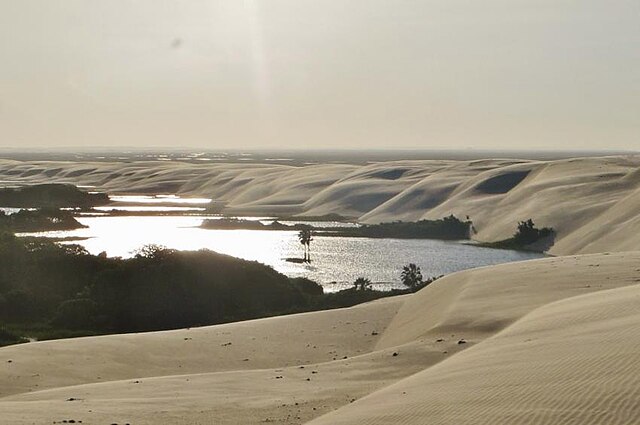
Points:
x=63, y=291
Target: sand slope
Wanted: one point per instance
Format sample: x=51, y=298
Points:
x=256, y=344
x=547, y=341
x=592, y=203
x=572, y=361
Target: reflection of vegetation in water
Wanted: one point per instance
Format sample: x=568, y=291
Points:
x=48, y=290
x=52, y=195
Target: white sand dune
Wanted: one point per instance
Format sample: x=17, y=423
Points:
x=573, y=361
x=547, y=341
x=550, y=341
x=311, y=338
x=590, y=202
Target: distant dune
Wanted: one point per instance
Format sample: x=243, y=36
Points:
x=591, y=202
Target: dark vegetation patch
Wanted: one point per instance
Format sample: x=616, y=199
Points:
x=527, y=237
x=7, y=337
x=447, y=228
x=52, y=195
x=502, y=183
x=47, y=219
x=51, y=291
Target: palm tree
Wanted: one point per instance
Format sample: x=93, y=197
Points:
x=305, y=236
x=411, y=275
x=362, y=284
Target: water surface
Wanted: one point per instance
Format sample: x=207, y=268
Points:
x=336, y=261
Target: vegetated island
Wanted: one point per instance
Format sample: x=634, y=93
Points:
x=526, y=238
x=39, y=220
x=41, y=207
x=447, y=228
x=53, y=195
x=50, y=291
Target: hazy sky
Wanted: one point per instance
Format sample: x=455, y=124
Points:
x=482, y=74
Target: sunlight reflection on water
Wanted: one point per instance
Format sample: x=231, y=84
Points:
x=335, y=259
x=158, y=199
x=147, y=208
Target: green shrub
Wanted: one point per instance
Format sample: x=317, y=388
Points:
x=307, y=286
x=66, y=291
x=76, y=314
x=527, y=233
x=8, y=338
x=52, y=195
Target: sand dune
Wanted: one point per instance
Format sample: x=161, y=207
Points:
x=572, y=361
x=591, y=202
x=547, y=341
x=256, y=344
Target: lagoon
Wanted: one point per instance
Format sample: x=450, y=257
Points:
x=336, y=261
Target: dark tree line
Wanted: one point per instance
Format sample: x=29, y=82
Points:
x=45, y=219
x=53, y=195
x=64, y=291
x=64, y=286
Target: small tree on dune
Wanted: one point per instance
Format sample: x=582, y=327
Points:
x=411, y=276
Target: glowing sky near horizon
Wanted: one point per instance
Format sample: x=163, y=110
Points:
x=490, y=74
